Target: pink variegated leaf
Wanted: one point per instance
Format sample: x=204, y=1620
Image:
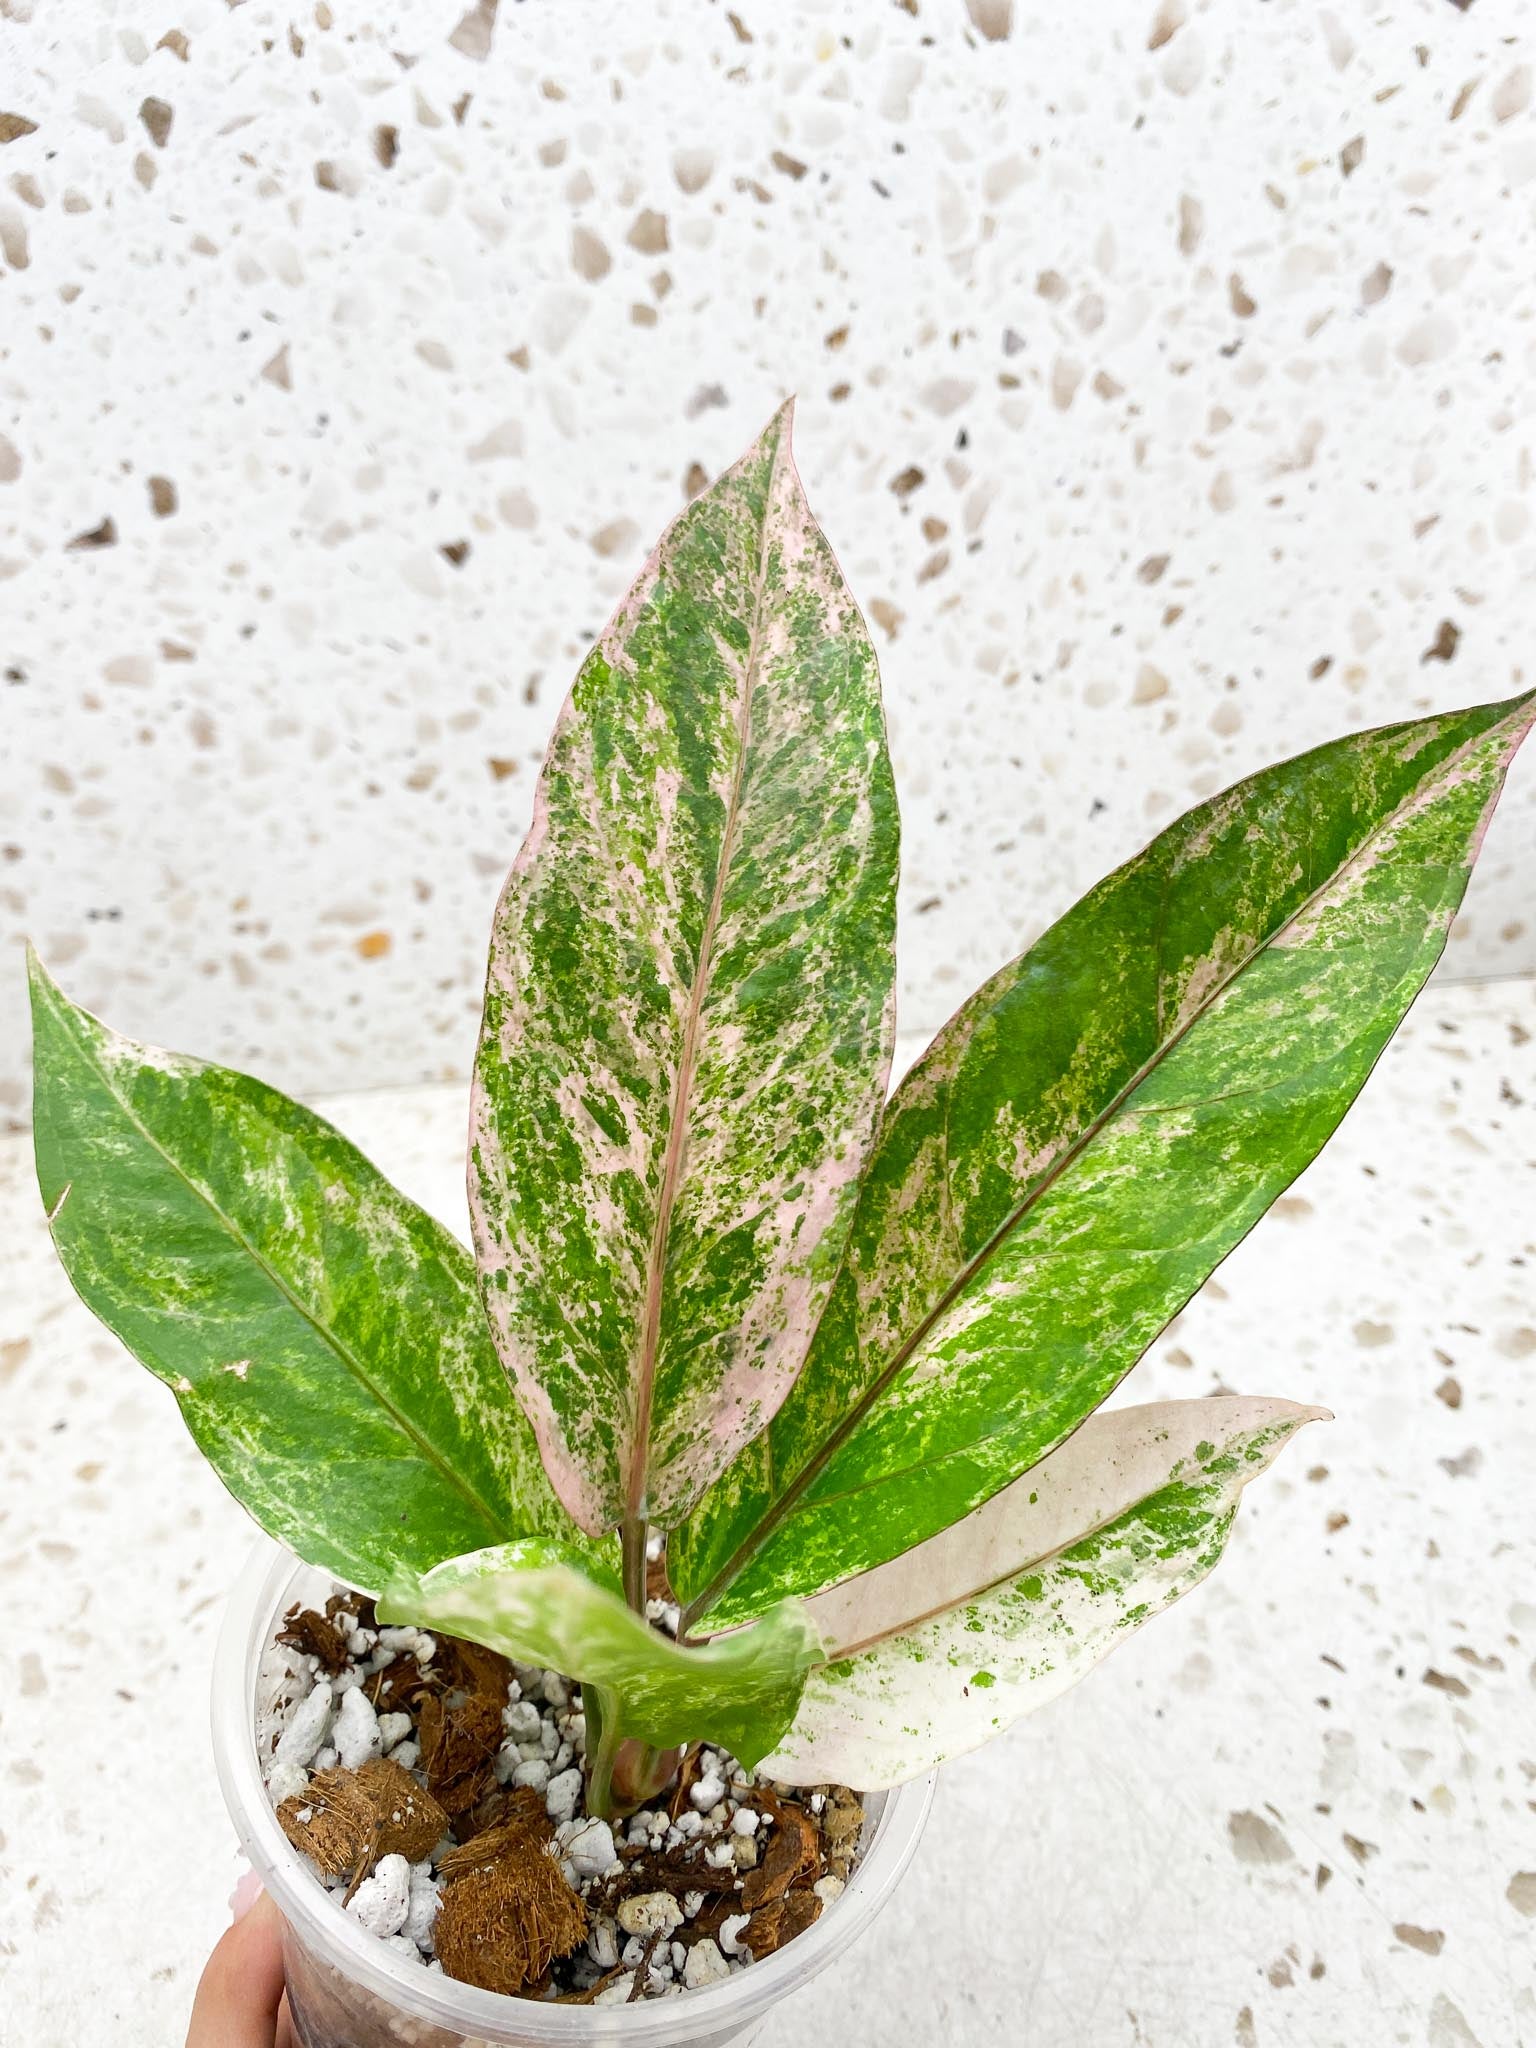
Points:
x=947, y=1646
x=688, y=1013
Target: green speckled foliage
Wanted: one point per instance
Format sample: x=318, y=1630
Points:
x=540, y=1602
x=847, y=1354
x=322, y=1334
x=1091, y=1134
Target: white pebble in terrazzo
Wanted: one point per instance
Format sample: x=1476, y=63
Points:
x=382, y=1901
x=1070, y=284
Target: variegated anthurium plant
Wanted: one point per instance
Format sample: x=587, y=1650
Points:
x=849, y=1354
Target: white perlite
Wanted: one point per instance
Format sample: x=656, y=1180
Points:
x=382, y=1901
x=562, y=1794
x=285, y=1780
x=356, y=1733
x=329, y=1720
x=307, y=1725
x=393, y=1730
x=703, y=1965
x=591, y=1849
x=650, y=1913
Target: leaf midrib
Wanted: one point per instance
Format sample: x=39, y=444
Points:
x=677, y=1131
x=777, y=1513
x=432, y=1456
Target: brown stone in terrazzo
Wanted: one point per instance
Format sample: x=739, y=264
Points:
x=1256, y=1840
x=473, y=36
x=157, y=117
x=102, y=536
x=648, y=233
x=1444, y=645
x=14, y=126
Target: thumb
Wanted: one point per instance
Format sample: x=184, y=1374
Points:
x=241, y=1989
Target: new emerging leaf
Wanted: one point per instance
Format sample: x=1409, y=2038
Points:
x=541, y=1604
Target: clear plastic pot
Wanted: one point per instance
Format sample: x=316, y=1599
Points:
x=345, y=1990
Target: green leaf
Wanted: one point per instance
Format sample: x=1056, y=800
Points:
x=322, y=1334
x=537, y=1602
x=1091, y=1135
x=1162, y=1485
x=688, y=1013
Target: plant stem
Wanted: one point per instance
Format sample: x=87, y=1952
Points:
x=632, y=1534
x=622, y=1774
x=603, y=1741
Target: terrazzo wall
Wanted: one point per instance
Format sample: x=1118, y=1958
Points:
x=1166, y=388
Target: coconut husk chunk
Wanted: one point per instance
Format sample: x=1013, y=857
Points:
x=507, y=1911
x=410, y=1821
x=522, y=1820
x=472, y=1668
x=458, y=1749
x=331, y=1822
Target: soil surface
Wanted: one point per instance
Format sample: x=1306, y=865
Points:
x=437, y=1790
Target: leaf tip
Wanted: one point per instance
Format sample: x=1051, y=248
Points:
x=38, y=977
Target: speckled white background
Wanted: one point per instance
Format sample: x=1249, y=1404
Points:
x=1166, y=380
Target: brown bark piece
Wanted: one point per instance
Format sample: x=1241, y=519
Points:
x=315, y=1636
x=792, y=1853
x=507, y=1911
x=458, y=1748
x=687, y=1778
x=410, y=1821
x=331, y=1822
x=357, y=1606
x=780, y=1921
x=842, y=1823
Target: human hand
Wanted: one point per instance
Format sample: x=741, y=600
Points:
x=240, y=2002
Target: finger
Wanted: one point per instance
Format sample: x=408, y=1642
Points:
x=238, y=1998
x=285, y=2034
